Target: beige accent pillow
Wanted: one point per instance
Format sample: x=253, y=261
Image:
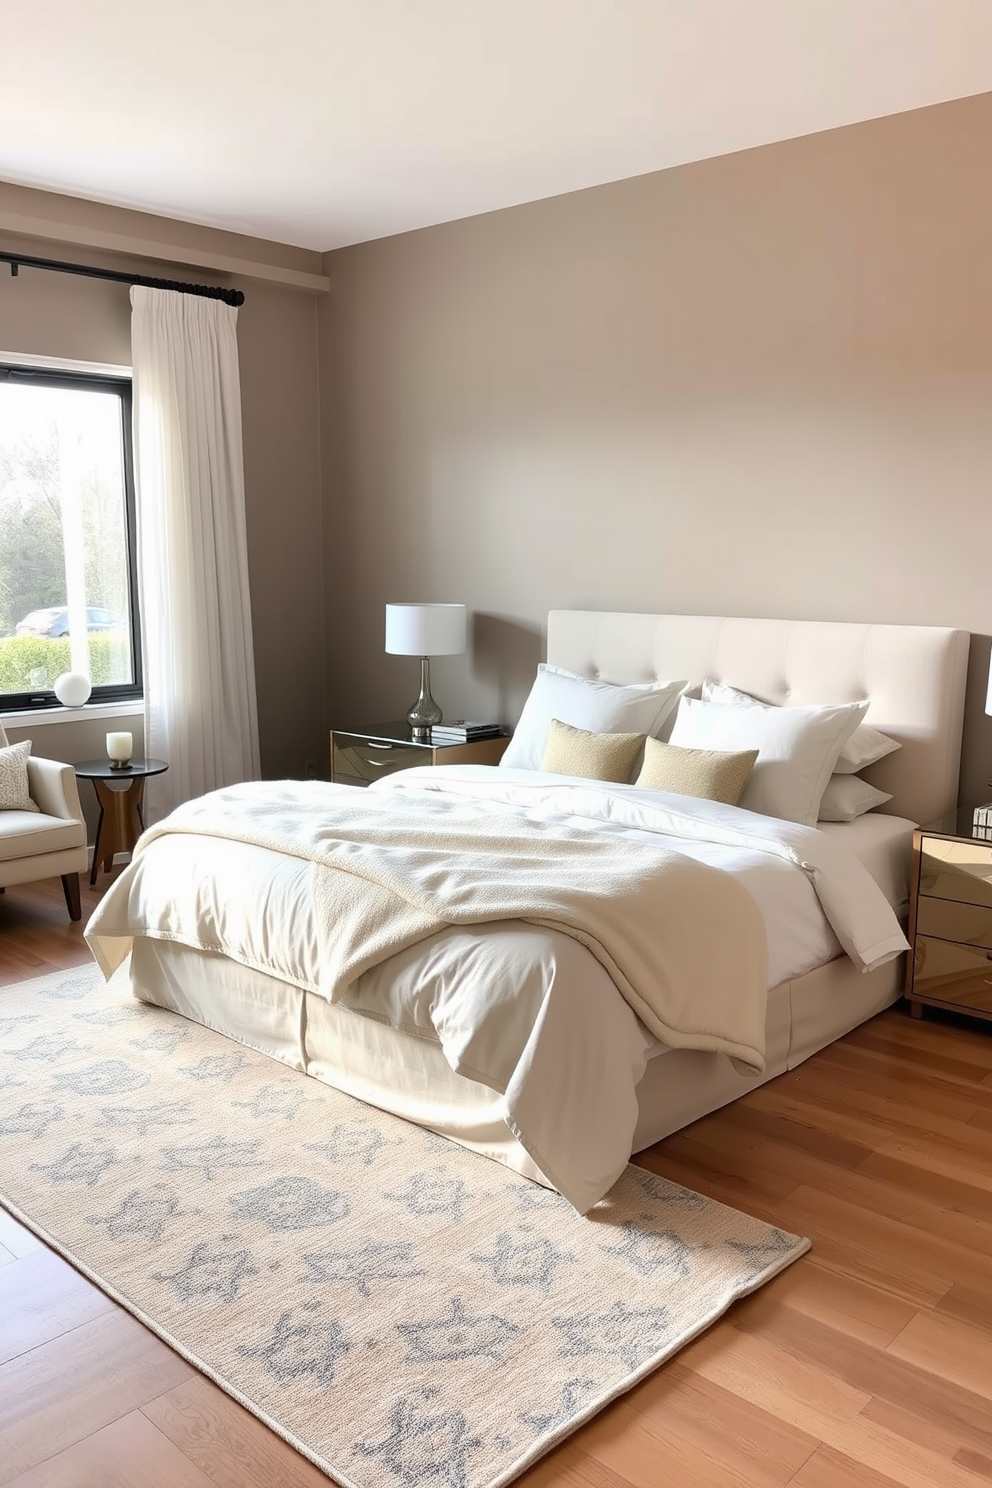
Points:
x=575, y=751
x=716, y=774
x=14, y=778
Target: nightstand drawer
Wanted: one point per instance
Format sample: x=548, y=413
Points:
x=367, y=759
x=959, y=870
x=950, y=919
x=956, y=974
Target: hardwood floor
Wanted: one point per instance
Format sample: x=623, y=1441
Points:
x=866, y=1365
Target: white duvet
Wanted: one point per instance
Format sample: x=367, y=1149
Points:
x=525, y=1010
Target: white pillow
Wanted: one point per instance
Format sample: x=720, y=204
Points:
x=848, y=796
x=14, y=778
x=863, y=748
x=797, y=749
x=599, y=707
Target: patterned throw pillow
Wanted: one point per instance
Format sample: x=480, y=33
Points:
x=575, y=751
x=14, y=778
x=716, y=774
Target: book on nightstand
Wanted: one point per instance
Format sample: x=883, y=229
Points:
x=463, y=730
x=983, y=822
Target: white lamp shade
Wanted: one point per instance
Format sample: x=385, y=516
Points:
x=426, y=629
x=72, y=689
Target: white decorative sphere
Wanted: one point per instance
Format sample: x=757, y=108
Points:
x=73, y=689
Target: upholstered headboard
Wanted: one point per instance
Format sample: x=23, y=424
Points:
x=914, y=676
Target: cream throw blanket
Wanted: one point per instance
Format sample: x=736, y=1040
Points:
x=683, y=942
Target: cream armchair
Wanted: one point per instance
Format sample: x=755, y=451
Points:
x=51, y=840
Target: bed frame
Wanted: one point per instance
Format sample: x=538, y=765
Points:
x=914, y=677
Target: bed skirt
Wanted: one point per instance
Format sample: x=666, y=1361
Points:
x=410, y=1077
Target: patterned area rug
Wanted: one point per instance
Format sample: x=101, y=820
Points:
x=402, y=1311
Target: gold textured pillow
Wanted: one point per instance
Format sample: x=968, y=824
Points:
x=575, y=751
x=717, y=774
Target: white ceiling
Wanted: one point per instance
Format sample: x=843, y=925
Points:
x=327, y=122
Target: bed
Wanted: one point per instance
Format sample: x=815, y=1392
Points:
x=543, y=1067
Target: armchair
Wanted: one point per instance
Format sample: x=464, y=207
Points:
x=51, y=840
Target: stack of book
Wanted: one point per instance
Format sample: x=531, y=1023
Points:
x=983, y=823
x=463, y=731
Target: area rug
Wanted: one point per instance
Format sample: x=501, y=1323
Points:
x=400, y=1310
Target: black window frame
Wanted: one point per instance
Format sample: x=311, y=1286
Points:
x=13, y=372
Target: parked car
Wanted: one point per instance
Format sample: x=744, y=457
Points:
x=55, y=621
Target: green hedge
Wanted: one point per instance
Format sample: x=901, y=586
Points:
x=32, y=663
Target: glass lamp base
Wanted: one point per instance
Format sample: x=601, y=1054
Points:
x=425, y=712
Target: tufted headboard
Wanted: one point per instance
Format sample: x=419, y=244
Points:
x=914, y=676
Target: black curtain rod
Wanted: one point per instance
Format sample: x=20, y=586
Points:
x=206, y=291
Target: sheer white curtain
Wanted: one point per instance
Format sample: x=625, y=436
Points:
x=199, y=674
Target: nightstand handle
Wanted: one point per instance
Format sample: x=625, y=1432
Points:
x=373, y=744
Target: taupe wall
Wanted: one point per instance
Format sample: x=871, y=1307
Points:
x=758, y=385
x=56, y=315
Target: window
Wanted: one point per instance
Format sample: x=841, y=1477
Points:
x=68, y=590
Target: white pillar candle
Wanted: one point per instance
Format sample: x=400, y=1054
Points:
x=119, y=747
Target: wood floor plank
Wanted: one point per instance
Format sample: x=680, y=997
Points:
x=128, y=1453
x=42, y=1297
x=893, y=1081
x=880, y=1372
x=569, y=1467
x=762, y=1450
x=919, y=1204
x=228, y=1443
x=805, y=1138
x=899, y=1031
x=893, y=1256
x=633, y=1446
x=971, y=1306
x=63, y=1391
x=853, y=1308
x=937, y=1174
x=945, y=1437
x=962, y=1155
x=935, y=1057
x=951, y=1350
x=816, y=1402
x=828, y=1468
x=878, y=1094
x=974, y=1462
x=15, y=1237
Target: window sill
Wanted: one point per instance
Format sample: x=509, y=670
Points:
x=34, y=717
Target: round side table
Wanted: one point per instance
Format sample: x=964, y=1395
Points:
x=119, y=793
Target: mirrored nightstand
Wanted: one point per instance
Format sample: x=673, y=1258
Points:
x=359, y=756
x=950, y=918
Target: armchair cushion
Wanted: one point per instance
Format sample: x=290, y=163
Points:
x=26, y=834
x=14, y=792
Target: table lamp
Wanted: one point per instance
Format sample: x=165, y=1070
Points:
x=425, y=630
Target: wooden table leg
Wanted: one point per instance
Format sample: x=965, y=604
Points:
x=120, y=824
